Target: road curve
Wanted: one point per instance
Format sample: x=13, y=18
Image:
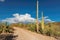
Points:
x=28, y=35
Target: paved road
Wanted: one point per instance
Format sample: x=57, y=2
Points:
x=28, y=35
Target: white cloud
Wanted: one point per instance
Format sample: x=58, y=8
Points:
x=20, y=18
x=2, y=0
x=47, y=19
x=24, y=18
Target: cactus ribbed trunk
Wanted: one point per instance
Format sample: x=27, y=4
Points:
x=42, y=22
x=37, y=18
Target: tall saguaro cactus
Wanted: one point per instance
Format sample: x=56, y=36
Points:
x=37, y=18
x=42, y=22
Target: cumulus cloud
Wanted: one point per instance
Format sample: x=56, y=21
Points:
x=20, y=18
x=2, y=0
x=47, y=19
x=25, y=18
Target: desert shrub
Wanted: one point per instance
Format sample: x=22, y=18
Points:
x=32, y=27
x=0, y=30
x=57, y=34
x=52, y=29
x=4, y=28
x=9, y=29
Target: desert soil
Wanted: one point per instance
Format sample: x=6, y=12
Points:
x=28, y=35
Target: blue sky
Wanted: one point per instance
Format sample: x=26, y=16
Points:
x=51, y=8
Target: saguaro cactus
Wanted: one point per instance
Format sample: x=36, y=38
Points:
x=42, y=22
x=37, y=18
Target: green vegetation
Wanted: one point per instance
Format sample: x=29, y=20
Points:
x=50, y=29
x=5, y=28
